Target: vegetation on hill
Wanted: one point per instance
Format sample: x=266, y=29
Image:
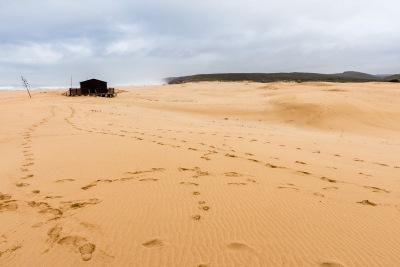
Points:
x=391, y=77
x=266, y=78
x=359, y=75
x=345, y=77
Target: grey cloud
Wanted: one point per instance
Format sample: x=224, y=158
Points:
x=142, y=42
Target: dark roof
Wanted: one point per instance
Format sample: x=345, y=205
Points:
x=93, y=80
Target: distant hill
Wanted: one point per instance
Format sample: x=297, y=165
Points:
x=275, y=77
x=394, y=76
x=358, y=75
x=383, y=76
x=168, y=79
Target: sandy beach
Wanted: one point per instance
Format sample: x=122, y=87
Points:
x=202, y=174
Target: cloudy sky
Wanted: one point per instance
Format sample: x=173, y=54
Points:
x=140, y=42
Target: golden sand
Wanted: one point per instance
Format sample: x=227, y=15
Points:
x=207, y=174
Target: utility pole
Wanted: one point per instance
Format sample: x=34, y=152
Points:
x=26, y=85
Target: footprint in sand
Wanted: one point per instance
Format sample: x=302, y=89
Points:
x=196, y=217
x=54, y=233
x=328, y=180
x=64, y=180
x=37, y=225
x=127, y=178
x=153, y=243
x=21, y=184
x=331, y=187
x=272, y=166
x=331, y=264
x=9, y=206
x=8, y=253
x=236, y=246
x=89, y=186
x=151, y=170
x=86, y=249
x=303, y=172
x=77, y=204
x=196, y=193
x=148, y=180
x=376, y=189
x=367, y=202
x=285, y=187
x=189, y=183
x=95, y=183
x=4, y=196
x=233, y=174
x=184, y=169
x=381, y=164
x=45, y=208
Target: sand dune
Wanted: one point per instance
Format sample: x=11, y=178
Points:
x=207, y=174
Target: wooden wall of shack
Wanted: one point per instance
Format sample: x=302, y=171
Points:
x=94, y=86
x=75, y=91
x=82, y=91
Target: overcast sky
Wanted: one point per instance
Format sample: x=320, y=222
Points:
x=140, y=42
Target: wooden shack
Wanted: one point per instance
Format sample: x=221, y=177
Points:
x=92, y=87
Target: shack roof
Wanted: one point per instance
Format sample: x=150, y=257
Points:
x=93, y=80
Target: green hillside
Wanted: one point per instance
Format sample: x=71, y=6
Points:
x=268, y=77
x=391, y=77
x=358, y=75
